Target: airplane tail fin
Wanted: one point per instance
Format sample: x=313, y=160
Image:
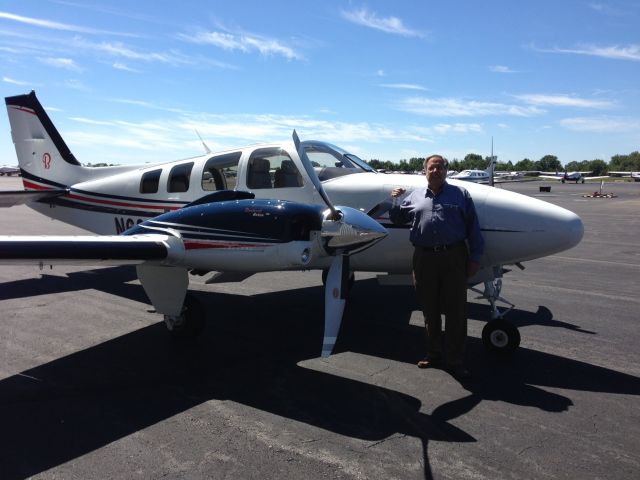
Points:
x=45, y=160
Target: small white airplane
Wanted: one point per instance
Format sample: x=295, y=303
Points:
x=569, y=176
x=477, y=176
x=200, y=214
x=635, y=176
x=8, y=171
x=503, y=175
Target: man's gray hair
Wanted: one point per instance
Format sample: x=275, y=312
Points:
x=426, y=160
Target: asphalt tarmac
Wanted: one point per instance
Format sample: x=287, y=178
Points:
x=91, y=386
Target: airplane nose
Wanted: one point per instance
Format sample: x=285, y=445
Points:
x=518, y=228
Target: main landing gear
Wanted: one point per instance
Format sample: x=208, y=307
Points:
x=498, y=335
x=350, y=281
x=190, y=323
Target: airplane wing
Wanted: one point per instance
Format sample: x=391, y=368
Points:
x=19, y=197
x=86, y=249
x=596, y=178
x=551, y=177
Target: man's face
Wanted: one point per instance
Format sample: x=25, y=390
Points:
x=436, y=172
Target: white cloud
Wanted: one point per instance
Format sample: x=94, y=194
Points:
x=124, y=67
x=455, y=107
x=64, y=63
x=446, y=128
x=615, y=52
x=48, y=24
x=601, y=124
x=369, y=19
x=562, y=101
x=244, y=42
x=17, y=82
x=501, y=69
x=403, y=86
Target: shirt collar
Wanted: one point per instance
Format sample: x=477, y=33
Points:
x=429, y=192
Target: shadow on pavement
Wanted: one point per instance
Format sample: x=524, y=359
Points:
x=249, y=353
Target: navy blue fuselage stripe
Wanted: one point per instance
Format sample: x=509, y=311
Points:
x=63, y=202
x=29, y=176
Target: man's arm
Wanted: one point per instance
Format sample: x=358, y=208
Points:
x=400, y=213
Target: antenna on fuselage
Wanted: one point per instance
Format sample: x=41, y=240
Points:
x=207, y=150
x=492, y=165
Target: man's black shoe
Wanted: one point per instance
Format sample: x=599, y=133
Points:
x=430, y=363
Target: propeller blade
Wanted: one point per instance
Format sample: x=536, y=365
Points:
x=334, y=301
x=312, y=175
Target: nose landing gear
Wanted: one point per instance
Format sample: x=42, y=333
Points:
x=498, y=335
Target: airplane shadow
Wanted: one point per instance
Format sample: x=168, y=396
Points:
x=249, y=354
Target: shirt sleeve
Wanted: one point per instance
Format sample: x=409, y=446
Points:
x=474, y=235
x=403, y=212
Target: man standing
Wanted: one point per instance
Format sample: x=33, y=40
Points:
x=443, y=220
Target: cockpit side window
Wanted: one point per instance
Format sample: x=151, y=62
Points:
x=149, y=181
x=220, y=172
x=272, y=168
x=179, y=178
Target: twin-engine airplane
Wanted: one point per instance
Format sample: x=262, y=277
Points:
x=569, y=176
x=260, y=208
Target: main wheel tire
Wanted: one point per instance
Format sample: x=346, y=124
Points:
x=500, y=336
x=194, y=320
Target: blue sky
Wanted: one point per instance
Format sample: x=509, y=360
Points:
x=130, y=82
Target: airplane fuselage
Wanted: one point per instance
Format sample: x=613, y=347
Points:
x=516, y=228
x=110, y=200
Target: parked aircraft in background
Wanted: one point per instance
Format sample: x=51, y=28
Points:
x=477, y=176
x=180, y=217
x=569, y=176
x=8, y=171
x=502, y=176
x=635, y=176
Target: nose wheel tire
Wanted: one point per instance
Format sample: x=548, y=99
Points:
x=500, y=336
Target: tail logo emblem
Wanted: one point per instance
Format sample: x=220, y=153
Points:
x=46, y=160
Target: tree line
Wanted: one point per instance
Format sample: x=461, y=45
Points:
x=548, y=163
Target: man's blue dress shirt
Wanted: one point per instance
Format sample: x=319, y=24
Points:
x=443, y=219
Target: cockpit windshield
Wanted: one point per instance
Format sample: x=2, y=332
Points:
x=330, y=161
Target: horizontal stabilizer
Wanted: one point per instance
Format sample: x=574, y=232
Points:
x=19, y=197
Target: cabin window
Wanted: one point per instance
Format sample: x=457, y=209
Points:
x=179, y=178
x=149, y=181
x=220, y=172
x=272, y=168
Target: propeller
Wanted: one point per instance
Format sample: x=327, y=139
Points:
x=345, y=231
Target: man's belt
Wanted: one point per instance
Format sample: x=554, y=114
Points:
x=443, y=248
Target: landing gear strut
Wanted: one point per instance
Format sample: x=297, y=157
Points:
x=350, y=281
x=498, y=335
x=190, y=323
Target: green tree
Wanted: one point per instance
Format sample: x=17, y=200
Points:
x=525, y=165
x=625, y=163
x=473, y=161
x=549, y=163
x=598, y=167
